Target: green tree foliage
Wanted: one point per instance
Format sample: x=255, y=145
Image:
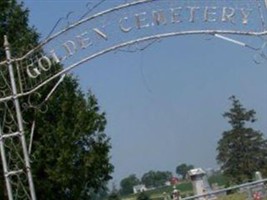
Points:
x=114, y=194
x=182, y=169
x=156, y=178
x=70, y=155
x=14, y=24
x=128, y=183
x=143, y=196
x=241, y=150
x=70, y=148
x=218, y=178
x=101, y=194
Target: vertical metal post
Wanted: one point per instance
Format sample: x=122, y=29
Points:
x=19, y=119
x=4, y=163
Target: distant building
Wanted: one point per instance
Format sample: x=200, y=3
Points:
x=167, y=183
x=139, y=188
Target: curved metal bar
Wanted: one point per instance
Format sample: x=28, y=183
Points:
x=120, y=7
x=131, y=42
x=3, y=62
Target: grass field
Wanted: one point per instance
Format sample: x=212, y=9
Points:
x=186, y=190
x=228, y=197
x=236, y=197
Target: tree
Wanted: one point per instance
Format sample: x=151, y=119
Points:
x=114, y=194
x=128, y=183
x=241, y=150
x=70, y=155
x=156, y=178
x=143, y=196
x=100, y=194
x=182, y=170
x=73, y=147
x=14, y=24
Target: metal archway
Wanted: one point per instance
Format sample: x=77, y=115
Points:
x=133, y=23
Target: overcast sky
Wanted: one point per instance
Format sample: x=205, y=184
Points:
x=164, y=105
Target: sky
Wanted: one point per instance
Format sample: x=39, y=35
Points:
x=164, y=104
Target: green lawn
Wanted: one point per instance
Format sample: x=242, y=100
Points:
x=219, y=179
x=228, y=197
x=185, y=189
x=235, y=197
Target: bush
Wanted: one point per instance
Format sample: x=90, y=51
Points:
x=143, y=196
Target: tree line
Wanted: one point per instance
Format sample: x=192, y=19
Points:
x=241, y=152
x=152, y=179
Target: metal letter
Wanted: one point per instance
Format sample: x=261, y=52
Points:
x=209, y=14
x=55, y=57
x=46, y=65
x=100, y=33
x=123, y=28
x=176, y=12
x=141, y=20
x=158, y=17
x=83, y=41
x=192, y=13
x=245, y=14
x=227, y=14
x=35, y=70
x=70, y=47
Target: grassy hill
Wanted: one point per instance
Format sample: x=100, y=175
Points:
x=185, y=189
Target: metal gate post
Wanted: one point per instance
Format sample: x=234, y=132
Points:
x=20, y=133
x=5, y=168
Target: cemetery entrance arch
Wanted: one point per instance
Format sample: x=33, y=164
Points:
x=132, y=25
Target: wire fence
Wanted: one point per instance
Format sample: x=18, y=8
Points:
x=256, y=190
